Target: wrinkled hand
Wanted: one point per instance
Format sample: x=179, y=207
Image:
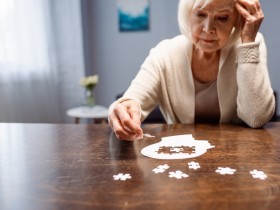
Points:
x=125, y=121
x=252, y=16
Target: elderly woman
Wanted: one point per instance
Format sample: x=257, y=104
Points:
x=216, y=71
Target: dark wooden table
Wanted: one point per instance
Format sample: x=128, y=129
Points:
x=44, y=166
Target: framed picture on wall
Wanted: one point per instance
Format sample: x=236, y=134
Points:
x=133, y=15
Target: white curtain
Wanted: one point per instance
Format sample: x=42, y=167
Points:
x=30, y=88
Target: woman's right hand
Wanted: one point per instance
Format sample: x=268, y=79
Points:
x=253, y=16
x=125, y=120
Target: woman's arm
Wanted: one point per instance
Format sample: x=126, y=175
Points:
x=255, y=99
x=142, y=96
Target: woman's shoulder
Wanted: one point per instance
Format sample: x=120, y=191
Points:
x=172, y=47
x=177, y=41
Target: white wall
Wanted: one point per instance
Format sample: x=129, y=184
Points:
x=271, y=30
x=116, y=56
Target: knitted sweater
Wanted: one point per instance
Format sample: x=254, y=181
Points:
x=243, y=83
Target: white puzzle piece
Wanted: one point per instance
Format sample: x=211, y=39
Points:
x=148, y=135
x=178, y=174
x=226, y=170
x=258, y=174
x=193, y=165
x=177, y=147
x=122, y=176
x=161, y=168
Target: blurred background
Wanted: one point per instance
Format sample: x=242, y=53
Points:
x=46, y=46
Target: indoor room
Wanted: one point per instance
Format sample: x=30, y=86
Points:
x=139, y=104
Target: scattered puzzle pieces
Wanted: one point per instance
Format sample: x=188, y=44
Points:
x=122, y=176
x=225, y=170
x=177, y=174
x=258, y=174
x=193, y=165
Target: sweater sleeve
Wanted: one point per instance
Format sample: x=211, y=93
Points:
x=255, y=99
x=145, y=87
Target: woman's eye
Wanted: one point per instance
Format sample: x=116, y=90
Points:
x=200, y=15
x=223, y=19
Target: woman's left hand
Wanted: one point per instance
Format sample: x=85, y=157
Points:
x=252, y=16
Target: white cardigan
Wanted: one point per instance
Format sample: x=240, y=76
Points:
x=243, y=83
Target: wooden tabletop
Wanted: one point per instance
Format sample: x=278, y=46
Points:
x=49, y=166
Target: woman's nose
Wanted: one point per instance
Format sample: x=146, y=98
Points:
x=208, y=26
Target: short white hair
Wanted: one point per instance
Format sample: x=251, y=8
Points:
x=185, y=9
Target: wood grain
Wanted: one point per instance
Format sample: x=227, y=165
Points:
x=49, y=166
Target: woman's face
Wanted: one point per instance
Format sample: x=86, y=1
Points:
x=212, y=24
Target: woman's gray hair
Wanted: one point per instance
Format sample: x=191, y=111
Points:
x=185, y=9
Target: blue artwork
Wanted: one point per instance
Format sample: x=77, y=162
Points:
x=133, y=15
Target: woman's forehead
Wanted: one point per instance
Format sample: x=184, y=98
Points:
x=216, y=5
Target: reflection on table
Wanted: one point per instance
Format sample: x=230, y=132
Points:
x=72, y=167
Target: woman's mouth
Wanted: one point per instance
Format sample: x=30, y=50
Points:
x=208, y=40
